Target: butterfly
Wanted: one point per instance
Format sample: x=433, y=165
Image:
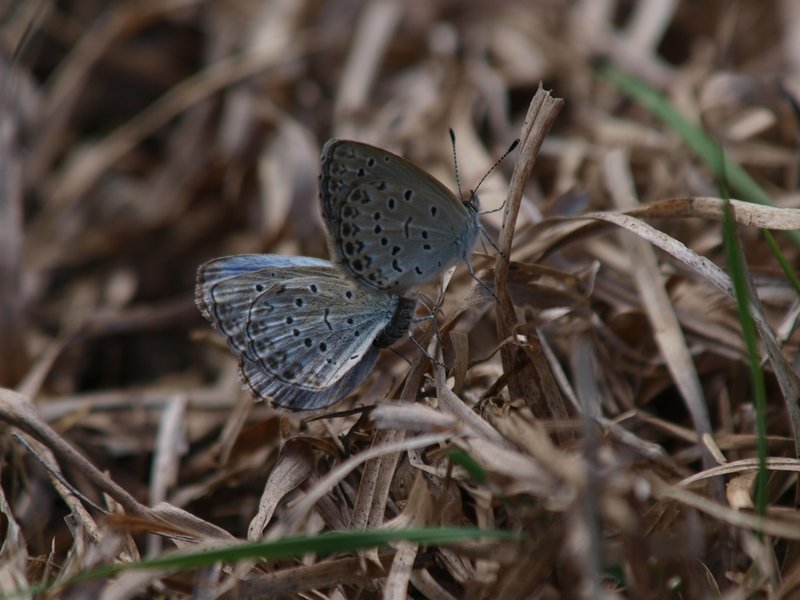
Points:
x=305, y=335
x=391, y=225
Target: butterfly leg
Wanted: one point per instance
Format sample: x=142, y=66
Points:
x=433, y=306
x=472, y=273
x=488, y=238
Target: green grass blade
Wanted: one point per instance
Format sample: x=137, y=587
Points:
x=325, y=544
x=743, y=186
x=738, y=274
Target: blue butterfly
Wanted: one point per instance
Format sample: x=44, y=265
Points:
x=305, y=335
x=392, y=226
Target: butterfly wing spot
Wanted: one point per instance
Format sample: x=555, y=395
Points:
x=390, y=203
x=313, y=288
x=380, y=186
x=384, y=241
x=259, y=287
x=378, y=229
x=424, y=235
x=361, y=172
x=426, y=246
x=349, y=248
x=325, y=318
x=289, y=320
x=396, y=266
x=370, y=162
x=418, y=271
x=408, y=195
x=377, y=216
x=396, y=250
x=323, y=346
x=406, y=224
x=433, y=210
x=298, y=302
x=296, y=332
x=358, y=265
x=273, y=361
x=308, y=342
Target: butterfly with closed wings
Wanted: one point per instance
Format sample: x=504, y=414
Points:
x=305, y=335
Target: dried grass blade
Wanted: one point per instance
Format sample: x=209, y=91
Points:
x=13, y=349
x=698, y=140
x=324, y=485
x=295, y=465
x=787, y=378
x=541, y=116
x=657, y=304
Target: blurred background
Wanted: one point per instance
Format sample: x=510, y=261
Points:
x=139, y=139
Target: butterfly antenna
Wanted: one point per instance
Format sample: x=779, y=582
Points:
x=511, y=148
x=455, y=163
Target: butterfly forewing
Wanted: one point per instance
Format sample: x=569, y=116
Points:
x=392, y=225
x=304, y=333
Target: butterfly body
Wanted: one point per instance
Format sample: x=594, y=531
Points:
x=305, y=335
x=392, y=226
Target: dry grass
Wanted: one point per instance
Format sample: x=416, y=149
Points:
x=601, y=409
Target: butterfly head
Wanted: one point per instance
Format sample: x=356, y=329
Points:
x=473, y=203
